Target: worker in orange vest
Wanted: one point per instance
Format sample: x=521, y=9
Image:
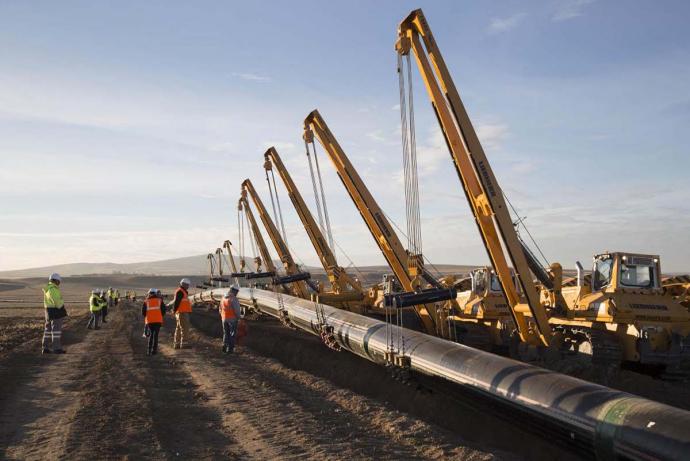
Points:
x=153, y=311
x=230, y=312
x=182, y=307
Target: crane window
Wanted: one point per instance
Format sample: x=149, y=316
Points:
x=480, y=281
x=495, y=284
x=638, y=275
x=602, y=272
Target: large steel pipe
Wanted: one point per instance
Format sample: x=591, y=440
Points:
x=613, y=424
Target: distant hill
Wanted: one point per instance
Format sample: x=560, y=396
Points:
x=189, y=265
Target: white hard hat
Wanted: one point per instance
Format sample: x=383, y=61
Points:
x=185, y=281
x=94, y=291
x=55, y=276
x=152, y=291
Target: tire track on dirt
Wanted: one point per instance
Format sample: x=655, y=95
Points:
x=113, y=418
x=106, y=399
x=275, y=411
x=41, y=398
x=185, y=424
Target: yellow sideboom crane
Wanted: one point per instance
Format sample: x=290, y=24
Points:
x=295, y=277
x=410, y=276
x=479, y=183
x=264, y=257
x=623, y=313
x=344, y=288
x=228, y=246
x=219, y=264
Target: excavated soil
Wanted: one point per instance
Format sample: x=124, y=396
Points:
x=106, y=399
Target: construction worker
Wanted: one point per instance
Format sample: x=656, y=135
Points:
x=95, y=306
x=55, y=313
x=230, y=312
x=117, y=297
x=153, y=311
x=182, y=307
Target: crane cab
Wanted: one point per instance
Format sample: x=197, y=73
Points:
x=482, y=295
x=616, y=279
x=624, y=296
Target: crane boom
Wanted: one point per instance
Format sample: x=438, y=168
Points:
x=299, y=287
x=243, y=205
x=227, y=245
x=481, y=188
x=341, y=281
x=384, y=235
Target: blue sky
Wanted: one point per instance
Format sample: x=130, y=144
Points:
x=127, y=127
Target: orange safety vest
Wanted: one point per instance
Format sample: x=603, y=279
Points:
x=154, y=313
x=227, y=312
x=185, y=303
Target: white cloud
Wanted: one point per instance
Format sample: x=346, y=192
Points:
x=569, y=9
x=251, y=77
x=499, y=25
x=432, y=152
x=280, y=146
x=491, y=135
x=377, y=135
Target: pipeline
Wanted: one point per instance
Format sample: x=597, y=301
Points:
x=610, y=424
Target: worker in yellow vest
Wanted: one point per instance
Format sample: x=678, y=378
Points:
x=153, y=311
x=182, y=307
x=95, y=307
x=54, y=315
x=230, y=312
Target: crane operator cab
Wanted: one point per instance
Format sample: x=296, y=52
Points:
x=484, y=297
x=625, y=289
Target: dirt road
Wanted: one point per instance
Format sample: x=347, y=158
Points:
x=105, y=399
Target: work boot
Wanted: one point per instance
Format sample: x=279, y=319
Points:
x=97, y=328
x=45, y=351
x=176, y=346
x=59, y=351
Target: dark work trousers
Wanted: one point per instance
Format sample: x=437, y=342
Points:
x=94, y=320
x=104, y=312
x=154, y=328
x=229, y=332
